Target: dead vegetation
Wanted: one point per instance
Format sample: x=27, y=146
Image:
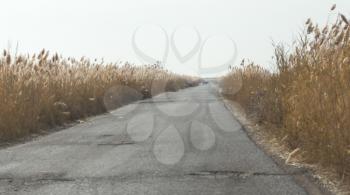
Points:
x=41, y=91
x=306, y=101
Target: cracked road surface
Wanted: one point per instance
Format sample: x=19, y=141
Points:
x=127, y=152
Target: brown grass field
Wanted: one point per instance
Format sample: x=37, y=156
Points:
x=42, y=91
x=306, y=101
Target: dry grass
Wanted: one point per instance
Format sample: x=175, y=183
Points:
x=41, y=91
x=306, y=102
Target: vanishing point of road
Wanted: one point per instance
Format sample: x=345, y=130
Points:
x=184, y=142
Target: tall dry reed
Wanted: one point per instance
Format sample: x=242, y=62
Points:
x=41, y=91
x=307, y=100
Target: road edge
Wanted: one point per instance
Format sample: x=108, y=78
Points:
x=307, y=180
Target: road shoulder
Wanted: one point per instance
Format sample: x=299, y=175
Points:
x=309, y=180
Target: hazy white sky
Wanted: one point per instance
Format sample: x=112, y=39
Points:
x=104, y=28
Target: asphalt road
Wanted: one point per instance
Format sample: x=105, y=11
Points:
x=183, y=142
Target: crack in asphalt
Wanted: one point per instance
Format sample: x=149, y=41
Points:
x=204, y=174
x=242, y=173
x=116, y=144
x=178, y=101
x=91, y=143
